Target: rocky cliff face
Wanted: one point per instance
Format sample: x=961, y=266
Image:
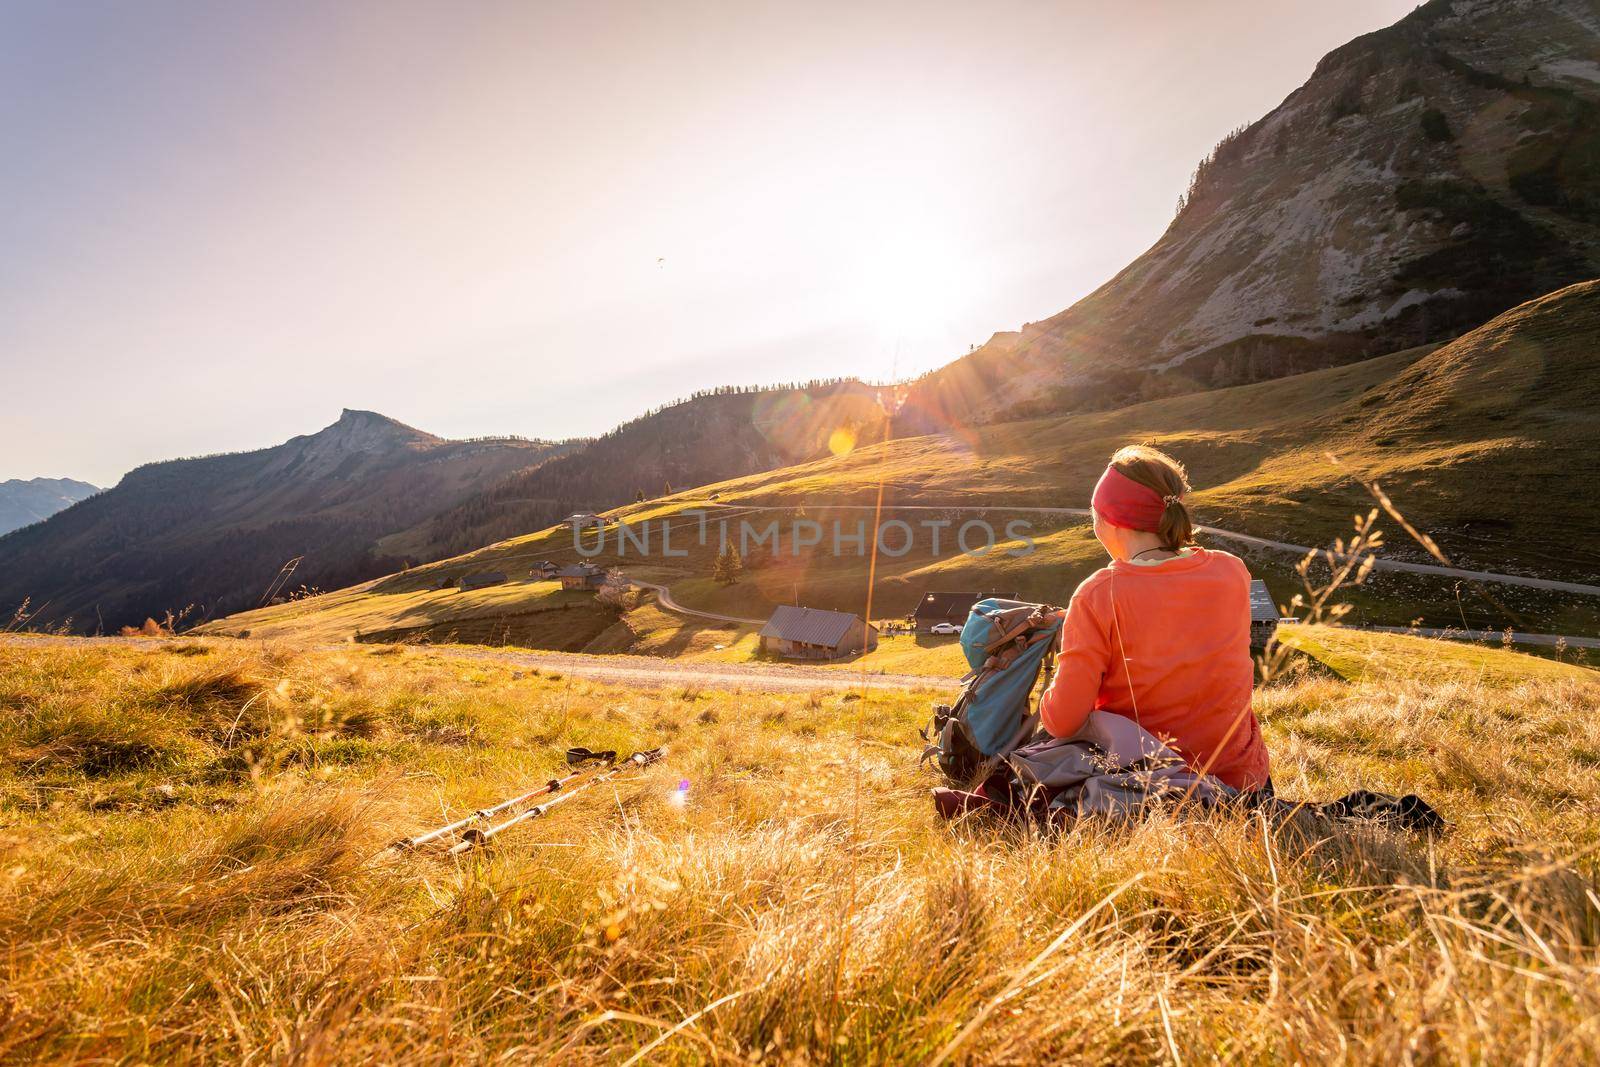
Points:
x=1427, y=177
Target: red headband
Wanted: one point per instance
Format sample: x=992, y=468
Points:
x=1121, y=501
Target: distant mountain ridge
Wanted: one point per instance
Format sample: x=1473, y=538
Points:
x=213, y=531
x=369, y=495
x=25, y=501
x=721, y=434
x=1427, y=177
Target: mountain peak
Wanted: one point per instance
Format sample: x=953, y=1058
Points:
x=356, y=433
x=24, y=501
x=366, y=431
x=356, y=419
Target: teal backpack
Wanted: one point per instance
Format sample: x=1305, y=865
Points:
x=1008, y=644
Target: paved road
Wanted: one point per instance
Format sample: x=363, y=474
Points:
x=664, y=597
x=1249, y=539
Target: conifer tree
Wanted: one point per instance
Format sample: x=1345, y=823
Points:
x=728, y=566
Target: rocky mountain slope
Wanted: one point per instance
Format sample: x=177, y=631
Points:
x=213, y=532
x=709, y=438
x=24, y=502
x=1427, y=177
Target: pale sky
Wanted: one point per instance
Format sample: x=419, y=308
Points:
x=222, y=222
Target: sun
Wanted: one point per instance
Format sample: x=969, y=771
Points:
x=908, y=279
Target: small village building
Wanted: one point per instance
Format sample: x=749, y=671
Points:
x=482, y=580
x=582, y=520
x=935, y=608
x=581, y=576
x=545, y=570
x=812, y=633
x=1263, y=616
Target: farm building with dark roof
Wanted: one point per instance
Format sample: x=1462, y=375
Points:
x=1263, y=616
x=581, y=576
x=812, y=633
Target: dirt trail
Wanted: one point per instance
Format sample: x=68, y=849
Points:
x=617, y=670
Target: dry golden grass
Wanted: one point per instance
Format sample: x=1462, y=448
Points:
x=193, y=868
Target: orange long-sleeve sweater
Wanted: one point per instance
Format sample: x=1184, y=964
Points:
x=1185, y=631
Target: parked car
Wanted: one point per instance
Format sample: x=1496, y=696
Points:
x=944, y=629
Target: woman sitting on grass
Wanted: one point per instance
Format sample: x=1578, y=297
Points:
x=1162, y=635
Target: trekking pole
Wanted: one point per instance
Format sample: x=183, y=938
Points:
x=576, y=757
x=471, y=839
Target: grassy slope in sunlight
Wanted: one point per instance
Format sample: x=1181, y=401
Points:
x=192, y=865
x=1482, y=442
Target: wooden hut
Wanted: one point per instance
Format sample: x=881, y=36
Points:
x=812, y=633
x=581, y=576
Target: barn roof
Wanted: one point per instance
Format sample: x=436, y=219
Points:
x=952, y=605
x=579, y=570
x=1262, y=609
x=810, y=626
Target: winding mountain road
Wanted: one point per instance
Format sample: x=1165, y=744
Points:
x=664, y=598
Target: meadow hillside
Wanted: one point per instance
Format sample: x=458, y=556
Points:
x=209, y=535
x=1487, y=444
x=194, y=866
x=1425, y=178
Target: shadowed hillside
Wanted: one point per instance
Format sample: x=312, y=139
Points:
x=709, y=438
x=213, y=532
